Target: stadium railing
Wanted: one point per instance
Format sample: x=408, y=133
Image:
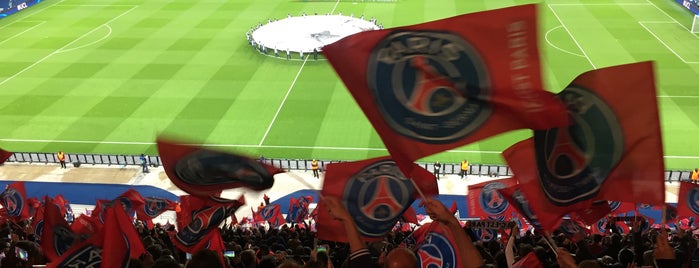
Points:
x=289, y=164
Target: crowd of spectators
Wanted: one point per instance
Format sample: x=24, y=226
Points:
x=295, y=246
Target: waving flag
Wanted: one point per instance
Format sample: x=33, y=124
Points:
x=540, y=220
x=375, y=192
x=298, y=209
x=4, y=155
x=528, y=261
x=86, y=226
x=38, y=221
x=57, y=237
x=62, y=203
x=122, y=242
x=204, y=172
x=485, y=201
x=433, y=246
x=14, y=200
x=87, y=253
x=611, y=145
x=131, y=201
x=152, y=208
x=435, y=86
x=688, y=200
x=205, y=219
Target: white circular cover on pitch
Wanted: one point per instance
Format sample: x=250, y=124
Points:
x=305, y=33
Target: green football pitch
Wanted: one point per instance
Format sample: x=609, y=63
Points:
x=108, y=76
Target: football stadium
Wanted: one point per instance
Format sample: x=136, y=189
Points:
x=149, y=102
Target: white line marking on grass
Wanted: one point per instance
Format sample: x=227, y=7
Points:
x=616, y=4
x=334, y=7
x=571, y=36
x=92, y=5
x=21, y=33
x=109, y=33
x=664, y=44
x=668, y=96
x=668, y=15
x=233, y=145
x=274, y=146
x=546, y=36
x=288, y=91
x=62, y=49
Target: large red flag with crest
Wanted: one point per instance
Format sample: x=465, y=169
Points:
x=204, y=172
x=56, y=235
x=485, y=201
x=87, y=253
x=434, y=86
x=611, y=145
x=434, y=246
x=375, y=192
x=14, y=200
x=131, y=200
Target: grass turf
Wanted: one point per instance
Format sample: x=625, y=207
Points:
x=107, y=76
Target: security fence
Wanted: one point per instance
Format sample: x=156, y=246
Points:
x=289, y=164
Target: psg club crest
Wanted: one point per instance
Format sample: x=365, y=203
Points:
x=491, y=201
x=207, y=168
x=13, y=202
x=574, y=161
x=430, y=86
x=436, y=252
x=614, y=205
x=154, y=206
x=485, y=235
x=202, y=222
x=378, y=195
x=693, y=200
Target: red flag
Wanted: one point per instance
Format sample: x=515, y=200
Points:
x=596, y=211
x=485, y=201
x=188, y=205
x=131, y=200
x=57, y=236
x=435, y=86
x=540, y=219
x=212, y=241
x=86, y=226
x=203, y=220
x=611, y=145
x=38, y=221
x=152, y=208
x=122, y=242
x=204, y=172
x=528, y=261
x=87, y=253
x=62, y=203
x=100, y=206
x=688, y=200
x=619, y=207
x=375, y=192
x=4, y=155
x=453, y=208
x=33, y=204
x=14, y=200
x=433, y=246
x=409, y=216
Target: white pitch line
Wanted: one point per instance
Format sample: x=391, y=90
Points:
x=334, y=7
x=571, y=36
x=62, y=48
x=685, y=97
x=275, y=146
x=546, y=36
x=668, y=15
x=664, y=44
x=21, y=33
x=281, y=105
x=611, y=4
